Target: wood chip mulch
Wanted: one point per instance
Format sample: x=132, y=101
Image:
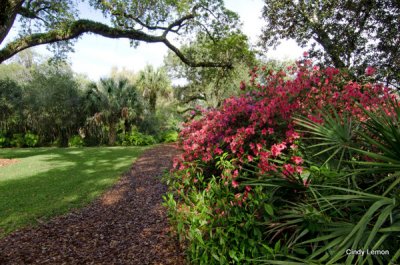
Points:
x=126, y=225
x=6, y=162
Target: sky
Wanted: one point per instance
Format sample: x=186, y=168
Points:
x=94, y=55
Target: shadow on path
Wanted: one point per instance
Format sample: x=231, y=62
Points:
x=126, y=225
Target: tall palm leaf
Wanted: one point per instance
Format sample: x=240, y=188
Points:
x=112, y=100
x=153, y=83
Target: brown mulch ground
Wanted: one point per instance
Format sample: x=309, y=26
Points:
x=6, y=162
x=127, y=225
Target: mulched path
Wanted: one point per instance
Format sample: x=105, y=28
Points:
x=126, y=225
x=6, y=162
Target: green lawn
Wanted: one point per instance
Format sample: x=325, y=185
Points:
x=51, y=181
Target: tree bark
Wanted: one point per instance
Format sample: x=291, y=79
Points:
x=79, y=27
x=153, y=101
x=112, y=134
x=8, y=13
x=63, y=138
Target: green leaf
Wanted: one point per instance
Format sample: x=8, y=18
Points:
x=269, y=209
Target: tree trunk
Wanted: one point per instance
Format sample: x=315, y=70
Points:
x=153, y=101
x=127, y=126
x=112, y=133
x=63, y=138
x=8, y=13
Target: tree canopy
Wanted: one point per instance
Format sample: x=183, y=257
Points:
x=346, y=34
x=151, y=21
x=210, y=86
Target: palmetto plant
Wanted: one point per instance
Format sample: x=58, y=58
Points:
x=153, y=83
x=112, y=100
x=357, y=210
x=329, y=143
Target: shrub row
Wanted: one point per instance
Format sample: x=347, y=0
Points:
x=19, y=140
x=134, y=138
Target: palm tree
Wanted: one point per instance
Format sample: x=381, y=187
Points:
x=153, y=83
x=112, y=100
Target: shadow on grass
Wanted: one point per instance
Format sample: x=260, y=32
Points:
x=52, y=181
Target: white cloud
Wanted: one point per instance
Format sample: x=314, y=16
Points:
x=95, y=55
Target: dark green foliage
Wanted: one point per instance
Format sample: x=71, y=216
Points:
x=352, y=34
x=111, y=101
x=54, y=104
x=4, y=141
x=213, y=230
x=17, y=140
x=11, y=100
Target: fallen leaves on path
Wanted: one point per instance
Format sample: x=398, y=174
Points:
x=6, y=162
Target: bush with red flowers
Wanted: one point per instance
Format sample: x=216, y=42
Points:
x=222, y=209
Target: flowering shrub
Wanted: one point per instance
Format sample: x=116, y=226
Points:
x=251, y=136
x=257, y=127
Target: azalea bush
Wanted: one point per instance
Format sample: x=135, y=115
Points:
x=258, y=128
x=272, y=176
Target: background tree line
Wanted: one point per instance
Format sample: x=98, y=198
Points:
x=55, y=106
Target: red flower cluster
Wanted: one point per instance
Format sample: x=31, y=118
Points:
x=257, y=127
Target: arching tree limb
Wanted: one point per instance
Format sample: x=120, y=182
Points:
x=79, y=27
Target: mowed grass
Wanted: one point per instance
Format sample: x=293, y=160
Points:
x=51, y=181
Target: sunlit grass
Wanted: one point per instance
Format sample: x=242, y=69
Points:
x=51, y=181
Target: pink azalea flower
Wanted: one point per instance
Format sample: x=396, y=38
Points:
x=235, y=184
x=264, y=131
x=218, y=151
x=297, y=160
x=370, y=71
x=299, y=169
x=289, y=169
x=235, y=173
x=275, y=150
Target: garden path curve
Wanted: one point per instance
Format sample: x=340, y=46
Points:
x=126, y=225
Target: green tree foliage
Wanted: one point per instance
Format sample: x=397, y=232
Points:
x=10, y=103
x=352, y=34
x=59, y=22
x=112, y=100
x=154, y=83
x=43, y=99
x=53, y=103
x=210, y=86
